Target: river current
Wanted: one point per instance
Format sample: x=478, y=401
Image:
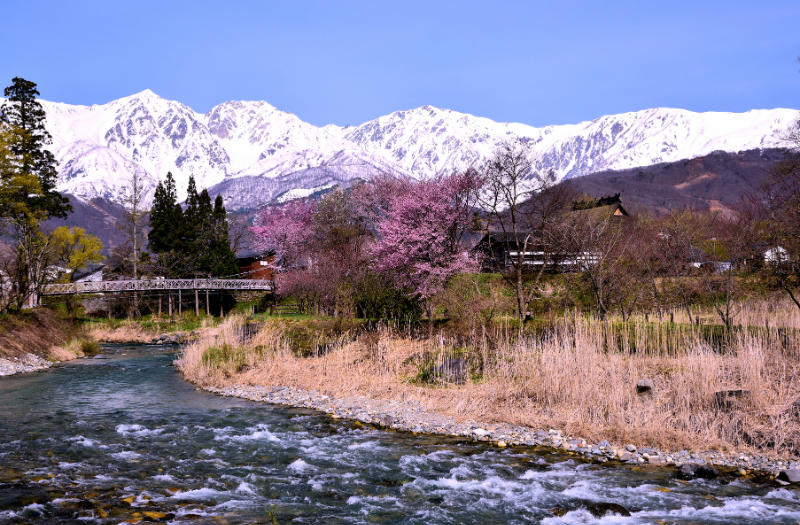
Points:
x=125, y=439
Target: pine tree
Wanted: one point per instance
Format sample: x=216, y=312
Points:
x=24, y=113
x=212, y=245
x=224, y=259
x=192, y=220
x=166, y=218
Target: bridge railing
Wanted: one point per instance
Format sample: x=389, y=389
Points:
x=145, y=285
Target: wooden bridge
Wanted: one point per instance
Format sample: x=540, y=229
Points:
x=147, y=285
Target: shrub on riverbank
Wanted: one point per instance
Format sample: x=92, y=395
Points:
x=740, y=392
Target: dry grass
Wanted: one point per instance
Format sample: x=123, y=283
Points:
x=574, y=378
x=127, y=333
x=73, y=349
x=32, y=331
x=61, y=353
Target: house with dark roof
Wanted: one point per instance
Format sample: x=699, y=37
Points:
x=256, y=265
x=499, y=251
x=92, y=273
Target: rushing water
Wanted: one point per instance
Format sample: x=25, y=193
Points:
x=126, y=439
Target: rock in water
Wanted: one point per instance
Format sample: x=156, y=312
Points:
x=453, y=370
x=791, y=475
x=598, y=510
x=693, y=470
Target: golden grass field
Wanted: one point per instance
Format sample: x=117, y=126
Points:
x=571, y=377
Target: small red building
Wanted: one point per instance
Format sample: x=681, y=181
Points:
x=257, y=266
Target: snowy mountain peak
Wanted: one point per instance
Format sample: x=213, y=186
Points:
x=251, y=151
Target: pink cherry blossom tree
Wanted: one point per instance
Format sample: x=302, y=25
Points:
x=286, y=231
x=420, y=231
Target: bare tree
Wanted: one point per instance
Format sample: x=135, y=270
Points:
x=239, y=232
x=598, y=246
x=523, y=207
x=134, y=220
x=780, y=202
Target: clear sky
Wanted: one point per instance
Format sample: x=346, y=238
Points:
x=346, y=62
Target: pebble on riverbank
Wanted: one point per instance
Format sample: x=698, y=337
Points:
x=412, y=417
x=26, y=363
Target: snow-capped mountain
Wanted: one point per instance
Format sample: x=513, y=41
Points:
x=427, y=139
x=252, y=152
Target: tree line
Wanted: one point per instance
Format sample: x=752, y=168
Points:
x=161, y=239
x=396, y=247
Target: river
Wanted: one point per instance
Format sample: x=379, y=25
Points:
x=126, y=439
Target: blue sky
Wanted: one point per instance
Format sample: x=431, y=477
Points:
x=347, y=62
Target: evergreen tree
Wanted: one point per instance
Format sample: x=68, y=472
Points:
x=25, y=114
x=212, y=245
x=191, y=225
x=224, y=259
x=204, y=209
x=166, y=218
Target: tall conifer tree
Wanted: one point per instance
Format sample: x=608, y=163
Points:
x=25, y=114
x=192, y=219
x=166, y=218
x=224, y=259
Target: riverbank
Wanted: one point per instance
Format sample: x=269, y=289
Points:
x=566, y=390
x=410, y=416
x=22, y=364
x=36, y=339
x=151, y=331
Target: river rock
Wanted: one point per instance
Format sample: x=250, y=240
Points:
x=693, y=470
x=599, y=510
x=453, y=370
x=727, y=399
x=790, y=475
x=645, y=386
x=795, y=408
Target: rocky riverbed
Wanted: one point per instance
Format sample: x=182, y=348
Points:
x=411, y=417
x=27, y=363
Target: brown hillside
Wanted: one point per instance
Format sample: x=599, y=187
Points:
x=714, y=181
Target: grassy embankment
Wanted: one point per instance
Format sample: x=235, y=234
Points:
x=43, y=332
x=567, y=373
x=143, y=329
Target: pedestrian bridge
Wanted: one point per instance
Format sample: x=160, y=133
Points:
x=146, y=285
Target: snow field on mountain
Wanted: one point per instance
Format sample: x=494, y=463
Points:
x=98, y=146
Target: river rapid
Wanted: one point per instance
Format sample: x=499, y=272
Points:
x=125, y=439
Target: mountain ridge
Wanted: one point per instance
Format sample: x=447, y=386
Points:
x=274, y=150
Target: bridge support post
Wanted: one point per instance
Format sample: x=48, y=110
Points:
x=180, y=302
x=159, y=305
x=170, y=305
x=221, y=311
x=196, y=304
x=208, y=306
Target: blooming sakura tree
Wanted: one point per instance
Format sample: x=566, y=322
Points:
x=285, y=230
x=420, y=231
x=416, y=247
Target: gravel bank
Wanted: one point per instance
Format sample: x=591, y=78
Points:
x=26, y=363
x=411, y=417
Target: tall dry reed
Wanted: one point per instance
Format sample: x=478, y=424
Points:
x=579, y=376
